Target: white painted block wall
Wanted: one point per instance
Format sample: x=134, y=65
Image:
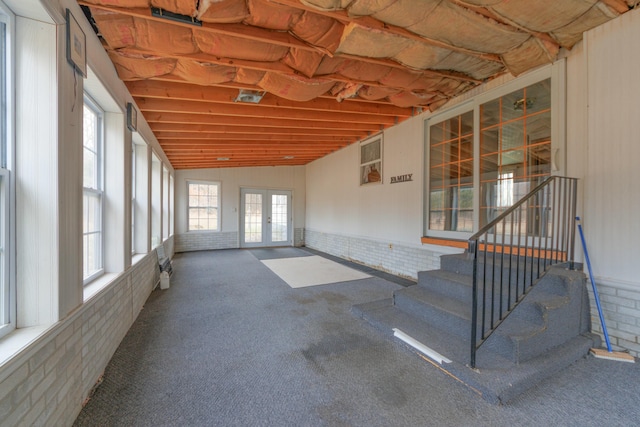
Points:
x=46, y=383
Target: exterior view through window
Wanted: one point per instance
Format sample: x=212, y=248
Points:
x=514, y=145
x=203, y=206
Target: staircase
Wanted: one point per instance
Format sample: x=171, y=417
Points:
x=509, y=312
x=545, y=333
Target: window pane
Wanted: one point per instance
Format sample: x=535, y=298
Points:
x=92, y=195
x=451, y=152
x=89, y=169
x=203, y=207
x=371, y=162
x=92, y=254
x=279, y=223
x=521, y=156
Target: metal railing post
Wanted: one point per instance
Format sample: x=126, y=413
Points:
x=554, y=203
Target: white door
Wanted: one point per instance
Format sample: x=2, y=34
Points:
x=265, y=218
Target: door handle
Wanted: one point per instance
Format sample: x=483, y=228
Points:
x=268, y=220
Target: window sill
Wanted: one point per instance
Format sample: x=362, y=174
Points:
x=94, y=288
x=136, y=258
x=452, y=243
x=16, y=341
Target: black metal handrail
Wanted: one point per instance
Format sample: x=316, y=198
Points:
x=515, y=249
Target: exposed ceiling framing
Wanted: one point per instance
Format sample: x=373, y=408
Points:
x=333, y=72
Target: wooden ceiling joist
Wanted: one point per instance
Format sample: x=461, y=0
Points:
x=191, y=92
x=200, y=119
x=233, y=110
x=161, y=129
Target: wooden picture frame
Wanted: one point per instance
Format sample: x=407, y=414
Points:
x=76, y=45
x=132, y=117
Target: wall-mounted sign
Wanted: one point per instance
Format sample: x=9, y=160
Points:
x=402, y=178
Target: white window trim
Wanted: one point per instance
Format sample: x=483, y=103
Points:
x=437, y=118
x=368, y=141
x=219, y=225
x=134, y=170
x=7, y=182
x=97, y=191
x=557, y=73
x=166, y=216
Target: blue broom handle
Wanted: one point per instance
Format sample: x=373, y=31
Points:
x=593, y=285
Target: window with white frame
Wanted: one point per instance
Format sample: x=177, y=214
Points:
x=165, y=203
x=93, y=191
x=7, y=208
x=204, y=206
x=485, y=155
x=171, y=198
x=156, y=201
x=133, y=197
x=371, y=161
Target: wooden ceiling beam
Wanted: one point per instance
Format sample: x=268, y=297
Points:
x=153, y=118
x=163, y=128
x=250, y=156
x=192, y=92
x=191, y=145
x=265, y=149
x=238, y=86
x=252, y=137
x=237, y=164
x=247, y=32
x=233, y=110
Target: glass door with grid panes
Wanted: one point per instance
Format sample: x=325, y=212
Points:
x=265, y=217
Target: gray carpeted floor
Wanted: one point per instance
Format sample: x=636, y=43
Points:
x=230, y=344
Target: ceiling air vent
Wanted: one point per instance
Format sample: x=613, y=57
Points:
x=249, y=96
x=165, y=14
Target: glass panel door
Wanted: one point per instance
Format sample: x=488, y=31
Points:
x=265, y=218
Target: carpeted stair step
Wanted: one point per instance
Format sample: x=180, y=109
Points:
x=496, y=379
x=446, y=312
x=454, y=285
x=458, y=286
x=463, y=264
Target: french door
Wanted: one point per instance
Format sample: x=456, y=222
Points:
x=265, y=218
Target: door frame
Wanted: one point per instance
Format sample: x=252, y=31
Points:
x=266, y=225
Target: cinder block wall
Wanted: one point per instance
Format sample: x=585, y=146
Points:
x=621, y=308
x=399, y=259
x=204, y=241
x=47, y=382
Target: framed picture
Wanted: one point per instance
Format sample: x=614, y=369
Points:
x=76, y=45
x=132, y=117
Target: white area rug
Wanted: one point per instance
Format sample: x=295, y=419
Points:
x=311, y=271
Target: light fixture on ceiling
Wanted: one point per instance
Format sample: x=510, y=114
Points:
x=519, y=104
x=249, y=96
x=289, y=157
x=222, y=159
x=165, y=14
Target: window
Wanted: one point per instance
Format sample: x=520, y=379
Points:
x=485, y=155
x=371, y=161
x=156, y=201
x=133, y=197
x=171, y=198
x=92, y=182
x=165, y=203
x=204, y=204
x=515, y=147
x=451, y=169
x=7, y=208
